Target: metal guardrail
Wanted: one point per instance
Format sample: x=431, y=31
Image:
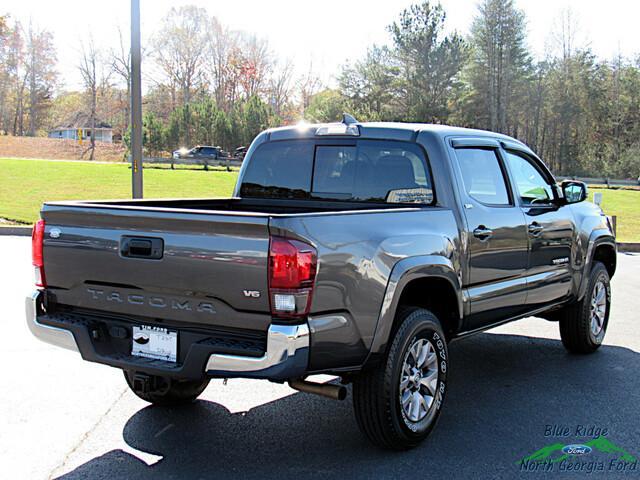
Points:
x=603, y=181
x=227, y=162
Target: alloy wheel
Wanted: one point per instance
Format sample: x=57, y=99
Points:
x=598, y=307
x=418, y=380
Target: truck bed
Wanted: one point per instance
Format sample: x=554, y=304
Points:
x=210, y=252
x=239, y=205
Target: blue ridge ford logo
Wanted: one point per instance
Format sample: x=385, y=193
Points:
x=576, y=449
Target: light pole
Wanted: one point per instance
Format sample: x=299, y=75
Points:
x=136, y=103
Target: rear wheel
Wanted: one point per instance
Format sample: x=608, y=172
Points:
x=584, y=324
x=398, y=403
x=164, y=391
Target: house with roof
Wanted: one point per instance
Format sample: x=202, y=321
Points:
x=79, y=128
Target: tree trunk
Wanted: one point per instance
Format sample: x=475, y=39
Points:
x=33, y=98
x=94, y=95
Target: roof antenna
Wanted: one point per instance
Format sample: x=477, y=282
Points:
x=348, y=119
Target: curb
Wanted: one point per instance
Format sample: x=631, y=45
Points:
x=18, y=231
x=629, y=247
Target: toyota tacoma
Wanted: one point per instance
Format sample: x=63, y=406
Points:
x=358, y=250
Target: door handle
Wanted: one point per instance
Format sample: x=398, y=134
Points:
x=482, y=232
x=535, y=229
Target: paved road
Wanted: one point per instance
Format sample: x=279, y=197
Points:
x=61, y=417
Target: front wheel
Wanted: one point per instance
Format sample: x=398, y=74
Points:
x=398, y=403
x=584, y=324
x=165, y=391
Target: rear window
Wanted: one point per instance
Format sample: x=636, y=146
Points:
x=366, y=171
x=279, y=170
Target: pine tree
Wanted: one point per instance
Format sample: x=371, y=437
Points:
x=430, y=62
x=500, y=66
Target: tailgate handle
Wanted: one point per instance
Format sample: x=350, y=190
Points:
x=141, y=247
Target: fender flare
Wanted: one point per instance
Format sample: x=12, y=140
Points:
x=403, y=272
x=600, y=236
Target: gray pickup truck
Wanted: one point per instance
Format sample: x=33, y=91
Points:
x=352, y=249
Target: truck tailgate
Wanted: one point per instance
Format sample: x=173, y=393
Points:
x=211, y=270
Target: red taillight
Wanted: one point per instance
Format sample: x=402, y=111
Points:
x=37, y=260
x=292, y=263
x=292, y=273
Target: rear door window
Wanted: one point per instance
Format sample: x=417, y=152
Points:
x=365, y=171
x=482, y=175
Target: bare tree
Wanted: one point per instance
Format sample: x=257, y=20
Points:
x=15, y=79
x=309, y=85
x=120, y=62
x=221, y=47
x=239, y=65
x=27, y=77
x=179, y=49
x=88, y=70
x=96, y=80
x=281, y=87
x=40, y=62
x=256, y=65
x=566, y=35
x=5, y=77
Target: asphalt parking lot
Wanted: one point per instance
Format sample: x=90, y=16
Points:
x=62, y=417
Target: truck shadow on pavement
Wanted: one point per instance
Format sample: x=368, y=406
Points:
x=503, y=391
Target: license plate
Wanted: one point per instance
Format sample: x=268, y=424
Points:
x=154, y=342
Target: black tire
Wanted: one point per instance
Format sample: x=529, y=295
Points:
x=165, y=391
x=377, y=392
x=575, y=320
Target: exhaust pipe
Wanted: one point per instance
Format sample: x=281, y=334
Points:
x=334, y=392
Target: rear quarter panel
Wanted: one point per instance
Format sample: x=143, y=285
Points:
x=357, y=252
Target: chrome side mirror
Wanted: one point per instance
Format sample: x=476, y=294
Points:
x=574, y=191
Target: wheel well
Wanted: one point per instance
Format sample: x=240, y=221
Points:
x=435, y=294
x=607, y=255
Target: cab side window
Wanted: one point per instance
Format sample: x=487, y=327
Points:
x=482, y=175
x=531, y=186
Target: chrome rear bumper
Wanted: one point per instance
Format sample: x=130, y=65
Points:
x=53, y=335
x=286, y=355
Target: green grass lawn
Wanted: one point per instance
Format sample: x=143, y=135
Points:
x=625, y=204
x=26, y=184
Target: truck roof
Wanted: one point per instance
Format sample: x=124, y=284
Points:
x=383, y=130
